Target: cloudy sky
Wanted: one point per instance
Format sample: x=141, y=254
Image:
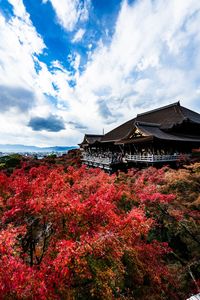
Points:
x=73, y=66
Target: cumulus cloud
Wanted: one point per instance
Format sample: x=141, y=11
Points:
x=15, y=97
x=150, y=61
x=21, y=95
x=153, y=58
x=70, y=12
x=51, y=123
x=20, y=43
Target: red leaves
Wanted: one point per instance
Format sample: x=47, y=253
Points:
x=76, y=231
x=156, y=197
x=8, y=240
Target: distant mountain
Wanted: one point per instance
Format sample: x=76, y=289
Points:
x=23, y=148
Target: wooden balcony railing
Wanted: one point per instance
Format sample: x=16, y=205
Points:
x=153, y=158
x=100, y=162
x=107, y=162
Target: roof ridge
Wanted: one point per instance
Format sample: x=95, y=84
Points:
x=159, y=108
x=190, y=110
x=90, y=134
x=131, y=120
x=182, y=113
x=147, y=124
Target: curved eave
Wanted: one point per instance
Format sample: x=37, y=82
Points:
x=136, y=140
x=178, y=124
x=153, y=138
x=109, y=141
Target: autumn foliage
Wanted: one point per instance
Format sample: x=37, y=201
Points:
x=77, y=233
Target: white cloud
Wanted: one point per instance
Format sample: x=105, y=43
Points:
x=21, y=85
x=70, y=12
x=153, y=59
x=147, y=64
x=19, y=43
x=78, y=35
x=19, y=9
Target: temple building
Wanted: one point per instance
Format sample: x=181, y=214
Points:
x=161, y=136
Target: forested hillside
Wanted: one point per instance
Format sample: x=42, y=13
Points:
x=68, y=232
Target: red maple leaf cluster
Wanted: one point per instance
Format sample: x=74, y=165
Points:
x=83, y=234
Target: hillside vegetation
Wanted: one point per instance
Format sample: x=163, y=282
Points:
x=68, y=232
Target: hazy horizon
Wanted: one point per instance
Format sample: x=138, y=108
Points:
x=32, y=148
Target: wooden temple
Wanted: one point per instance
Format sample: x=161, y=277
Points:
x=161, y=136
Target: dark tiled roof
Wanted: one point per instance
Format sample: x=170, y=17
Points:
x=120, y=132
x=156, y=132
x=91, y=138
x=190, y=115
x=166, y=117
x=152, y=131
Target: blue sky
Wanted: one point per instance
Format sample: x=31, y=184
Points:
x=73, y=66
